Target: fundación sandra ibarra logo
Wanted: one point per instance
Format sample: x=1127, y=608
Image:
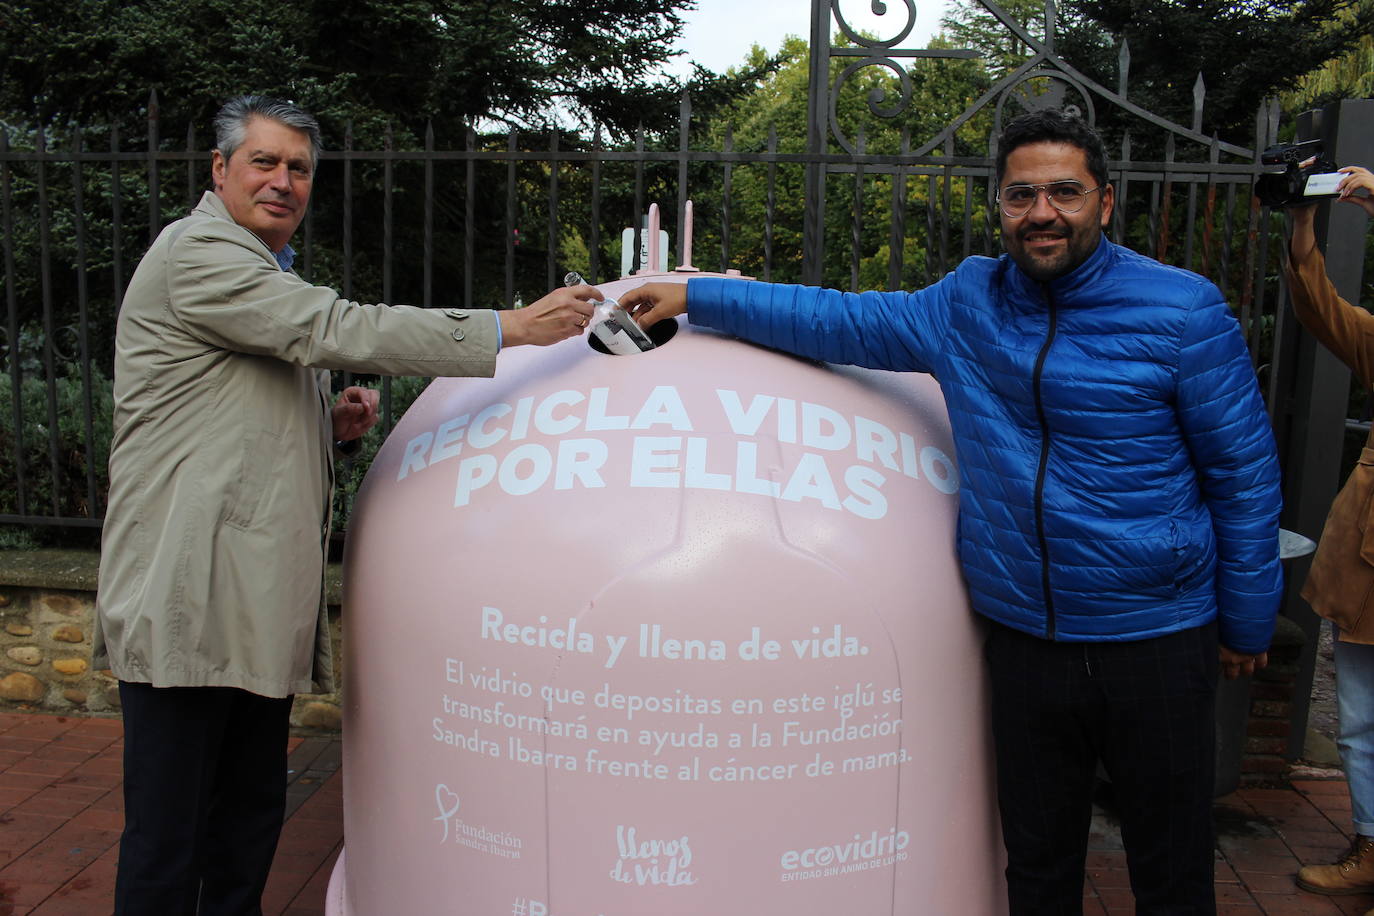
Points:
x=474, y=836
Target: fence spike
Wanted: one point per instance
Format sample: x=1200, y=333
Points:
x=1123, y=66
x=1199, y=93
x=154, y=179
x=190, y=166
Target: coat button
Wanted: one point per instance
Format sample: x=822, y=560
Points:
x=458, y=334
x=458, y=314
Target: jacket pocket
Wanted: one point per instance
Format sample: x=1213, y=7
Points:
x=260, y=452
x=1340, y=581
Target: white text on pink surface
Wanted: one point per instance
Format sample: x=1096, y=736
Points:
x=777, y=447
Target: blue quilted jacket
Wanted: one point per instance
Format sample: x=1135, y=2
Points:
x=1117, y=468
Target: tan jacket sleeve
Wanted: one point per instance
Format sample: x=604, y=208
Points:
x=227, y=293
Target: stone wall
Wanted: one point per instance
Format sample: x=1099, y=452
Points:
x=47, y=614
x=47, y=643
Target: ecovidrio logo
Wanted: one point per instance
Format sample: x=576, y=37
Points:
x=858, y=853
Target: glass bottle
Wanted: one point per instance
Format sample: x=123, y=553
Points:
x=612, y=325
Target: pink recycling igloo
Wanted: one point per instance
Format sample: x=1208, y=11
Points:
x=674, y=633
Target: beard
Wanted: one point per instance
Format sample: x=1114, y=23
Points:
x=1078, y=244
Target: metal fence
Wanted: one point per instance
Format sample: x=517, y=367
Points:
x=500, y=219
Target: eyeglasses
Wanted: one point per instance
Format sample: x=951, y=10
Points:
x=1065, y=196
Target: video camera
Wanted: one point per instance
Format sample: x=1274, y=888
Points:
x=1296, y=174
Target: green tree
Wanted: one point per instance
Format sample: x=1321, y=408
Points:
x=378, y=71
x=82, y=72
x=1349, y=76
x=969, y=24
x=767, y=219
x=527, y=63
x=1245, y=51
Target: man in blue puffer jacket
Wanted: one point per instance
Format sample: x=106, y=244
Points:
x=1119, y=504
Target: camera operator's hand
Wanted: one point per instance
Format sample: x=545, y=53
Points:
x=1357, y=178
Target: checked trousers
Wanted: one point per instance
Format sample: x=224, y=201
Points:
x=1144, y=709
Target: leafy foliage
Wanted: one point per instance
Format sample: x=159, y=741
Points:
x=968, y=24
x=859, y=210
x=401, y=63
x=78, y=455
x=1349, y=76
x=1246, y=52
x=379, y=74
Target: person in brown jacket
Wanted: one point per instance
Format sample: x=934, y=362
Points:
x=1340, y=585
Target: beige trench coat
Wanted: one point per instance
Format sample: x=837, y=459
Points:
x=1340, y=583
x=212, y=562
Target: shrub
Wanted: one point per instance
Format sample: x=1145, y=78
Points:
x=73, y=479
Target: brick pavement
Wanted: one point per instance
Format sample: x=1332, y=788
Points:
x=61, y=814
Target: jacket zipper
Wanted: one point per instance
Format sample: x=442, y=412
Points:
x=1044, y=463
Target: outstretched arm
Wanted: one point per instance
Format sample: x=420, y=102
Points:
x=561, y=314
x=653, y=302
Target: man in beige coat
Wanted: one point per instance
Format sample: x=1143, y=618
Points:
x=210, y=608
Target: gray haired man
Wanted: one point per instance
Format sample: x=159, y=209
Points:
x=210, y=608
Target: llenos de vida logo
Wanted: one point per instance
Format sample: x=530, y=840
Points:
x=858, y=853
x=651, y=861
x=473, y=836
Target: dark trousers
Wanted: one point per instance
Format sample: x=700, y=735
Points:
x=1145, y=709
x=204, y=798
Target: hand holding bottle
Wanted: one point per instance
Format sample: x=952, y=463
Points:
x=612, y=325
